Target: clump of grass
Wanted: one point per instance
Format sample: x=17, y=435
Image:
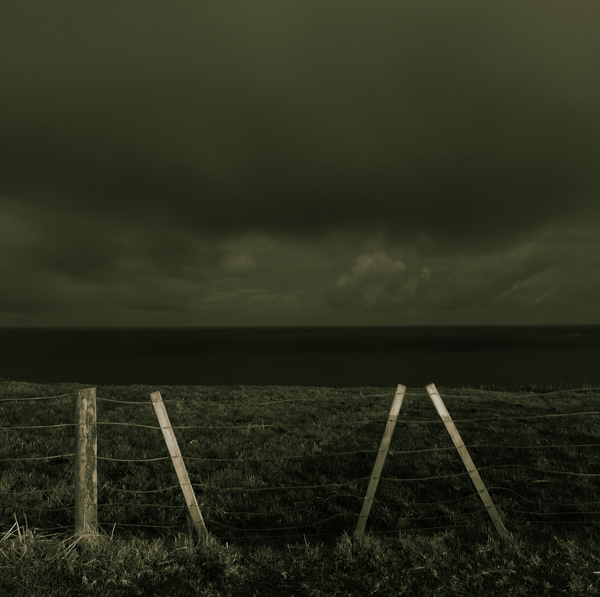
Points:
x=280, y=474
x=33, y=564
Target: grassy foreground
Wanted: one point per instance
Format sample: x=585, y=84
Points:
x=280, y=474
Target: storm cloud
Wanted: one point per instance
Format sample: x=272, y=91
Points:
x=299, y=163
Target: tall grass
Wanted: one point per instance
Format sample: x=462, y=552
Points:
x=280, y=474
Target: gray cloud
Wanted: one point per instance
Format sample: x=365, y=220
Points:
x=237, y=161
x=535, y=281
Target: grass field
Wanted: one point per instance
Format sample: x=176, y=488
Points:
x=280, y=474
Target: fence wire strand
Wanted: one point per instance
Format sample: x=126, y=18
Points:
x=158, y=458
x=540, y=503
x=138, y=524
x=244, y=425
x=138, y=505
x=499, y=419
x=142, y=491
x=62, y=508
x=22, y=399
x=283, y=457
x=420, y=529
x=547, y=513
x=138, y=402
x=21, y=458
x=249, y=403
x=539, y=470
x=38, y=426
x=529, y=395
x=337, y=454
x=30, y=491
x=278, y=487
x=288, y=528
x=546, y=522
x=426, y=504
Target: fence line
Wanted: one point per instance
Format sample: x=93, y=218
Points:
x=252, y=513
x=285, y=457
x=20, y=458
x=22, y=399
x=466, y=497
x=55, y=509
x=296, y=457
x=529, y=395
x=544, y=503
x=500, y=418
x=280, y=487
x=420, y=530
x=537, y=469
x=159, y=490
x=157, y=459
x=377, y=501
x=354, y=515
x=242, y=402
x=533, y=446
x=294, y=527
x=38, y=426
x=143, y=403
x=241, y=459
x=573, y=522
x=547, y=513
x=60, y=528
x=47, y=490
x=120, y=424
x=142, y=525
x=137, y=505
x=245, y=426
x=316, y=423
x=137, y=402
x=319, y=398
x=349, y=453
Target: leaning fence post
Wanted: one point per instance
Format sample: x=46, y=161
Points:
x=182, y=474
x=378, y=467
x=467, y=461
x=86, y=472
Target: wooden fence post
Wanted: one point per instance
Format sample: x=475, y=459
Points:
x=86, y=471
x=380, y=460
x=182, y=474
x=467, y=461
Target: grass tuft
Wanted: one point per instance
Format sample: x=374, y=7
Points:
x=280, y=474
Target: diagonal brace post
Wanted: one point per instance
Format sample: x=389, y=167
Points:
x=467, y=461
x=380, y=460
x=178, y=463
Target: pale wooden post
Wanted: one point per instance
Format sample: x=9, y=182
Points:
x=380, y=460
x=182, y=474
x=467, y=461
x=86, y=472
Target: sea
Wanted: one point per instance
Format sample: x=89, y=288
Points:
x=509, y=357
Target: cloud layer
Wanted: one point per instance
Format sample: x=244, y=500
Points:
x=294, y=163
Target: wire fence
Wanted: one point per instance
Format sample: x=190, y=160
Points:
x=303, y=463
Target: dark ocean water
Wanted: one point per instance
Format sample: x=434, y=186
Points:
x=566, y=356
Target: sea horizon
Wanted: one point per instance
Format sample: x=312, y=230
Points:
x=500, y=355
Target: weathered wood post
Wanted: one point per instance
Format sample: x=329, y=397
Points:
x=380, y=460
x=467, y=461
x=86, y=472
x=182, y=474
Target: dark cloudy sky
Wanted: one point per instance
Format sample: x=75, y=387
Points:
x=299, y=162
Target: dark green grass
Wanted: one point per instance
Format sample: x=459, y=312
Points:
x=35, y=565
x=280, y=474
